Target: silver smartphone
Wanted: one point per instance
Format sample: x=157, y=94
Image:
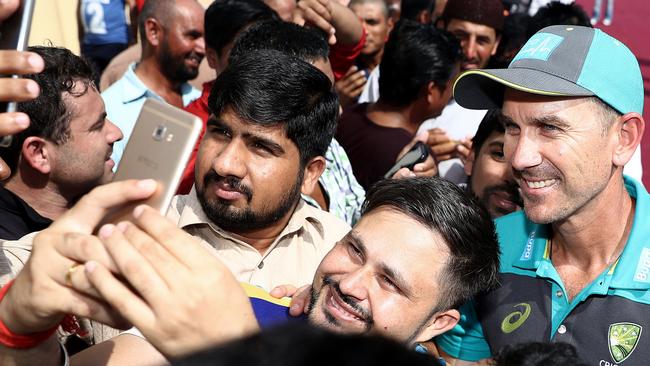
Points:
x=14, y=34
x=159, y=148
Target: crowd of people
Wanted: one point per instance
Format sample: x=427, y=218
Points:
x=518, y=239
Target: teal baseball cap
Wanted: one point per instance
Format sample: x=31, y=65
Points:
x=561, y=60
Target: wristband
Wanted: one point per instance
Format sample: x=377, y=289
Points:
x=11, y=340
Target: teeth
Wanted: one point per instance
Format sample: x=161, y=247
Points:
x=540, y=184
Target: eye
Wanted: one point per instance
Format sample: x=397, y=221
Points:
x=388, y=283
x=511, y=128
x=261, y=147
x=550, y=128
x=354, y=251
x=497, y=154
x=219, y=131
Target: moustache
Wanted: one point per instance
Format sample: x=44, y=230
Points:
x=233, y=182
x=512, y=190
x=350, y=301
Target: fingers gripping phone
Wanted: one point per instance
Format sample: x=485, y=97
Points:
x=159, y=148
x=418, y=153
x=14, y=34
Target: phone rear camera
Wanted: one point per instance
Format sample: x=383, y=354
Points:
x=159, y=133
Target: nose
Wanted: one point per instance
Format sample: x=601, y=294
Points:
x=469, y=48
x=522, y=151
x=114, y=133
x=356, y=284
x=230, y=160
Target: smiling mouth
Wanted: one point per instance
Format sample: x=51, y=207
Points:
x=341, y=309
x=540, y=183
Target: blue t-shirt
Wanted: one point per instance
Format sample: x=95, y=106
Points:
x=104, y=22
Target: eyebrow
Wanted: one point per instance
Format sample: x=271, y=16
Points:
x=392, y=272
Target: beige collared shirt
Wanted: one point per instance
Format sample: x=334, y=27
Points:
x=293, y=256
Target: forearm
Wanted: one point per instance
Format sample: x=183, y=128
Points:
x=348, y=27
x=47, y=353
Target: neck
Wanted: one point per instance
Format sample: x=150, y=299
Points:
x=596, y=235
x=262, y=239
x=396, y=117
x=40, y=194
x=370, y=61
x=149, y=72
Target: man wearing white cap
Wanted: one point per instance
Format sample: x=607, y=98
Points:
x=575, y=264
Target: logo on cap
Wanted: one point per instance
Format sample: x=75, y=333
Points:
x=539, y=47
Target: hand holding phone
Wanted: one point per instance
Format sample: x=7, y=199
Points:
x=14, y=33
x=418, y=154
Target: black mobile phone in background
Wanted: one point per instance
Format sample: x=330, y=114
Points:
x=14, y=35
x=418, y=153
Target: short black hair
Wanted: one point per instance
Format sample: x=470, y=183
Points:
x=410, y=9
x=267, y=87
x=297, y=344
x=224, y=19
x=538, y=354
x=491, y=122
x=464, y=224
x=557, y=13
x=49, y=114
x=308, y=44
x=415, y=55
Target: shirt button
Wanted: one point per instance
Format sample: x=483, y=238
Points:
x=261, y=265
x=559, y=293
x=561, y=329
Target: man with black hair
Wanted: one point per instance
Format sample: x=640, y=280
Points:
x=337, y=190
x=224, y=20
x=171, y=32
x=419, y=64
x=374, y=281
x=490, y=178
x=64, y=153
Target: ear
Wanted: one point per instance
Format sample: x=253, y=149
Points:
x=439, y=323
x=629, y=128
x=213, y=58
x=469, y=163
x=313, y=170
x=496, y=45
x=37, y=154
x=391, y=24
x=153, y=31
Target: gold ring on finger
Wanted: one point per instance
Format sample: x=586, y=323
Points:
x=71, y=271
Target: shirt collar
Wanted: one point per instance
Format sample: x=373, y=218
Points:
x=133, y=88
x=537, y=246
x=632, y=270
